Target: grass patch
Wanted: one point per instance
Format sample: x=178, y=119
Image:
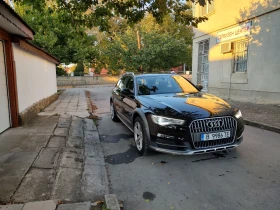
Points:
x=60, y=91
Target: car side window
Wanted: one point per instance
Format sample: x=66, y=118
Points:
x=121, y=83
x=130, y=84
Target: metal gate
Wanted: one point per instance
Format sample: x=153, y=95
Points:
x=203, y=64
x=4, y=98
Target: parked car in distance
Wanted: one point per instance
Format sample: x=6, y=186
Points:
x=167, y=113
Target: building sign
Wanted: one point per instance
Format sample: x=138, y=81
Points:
x=234, y=33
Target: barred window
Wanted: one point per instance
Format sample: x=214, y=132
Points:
x=203, y=51
x=240, y=56
x=203, y=64
x=208, y=8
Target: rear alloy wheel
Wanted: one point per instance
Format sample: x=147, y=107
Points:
x=140, y=136
x=114, y=117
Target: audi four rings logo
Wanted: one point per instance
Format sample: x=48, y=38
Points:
x=215, y=123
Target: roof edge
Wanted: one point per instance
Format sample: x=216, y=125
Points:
x=13, y=12
x=25, y=45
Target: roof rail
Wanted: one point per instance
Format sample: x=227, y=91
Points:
x=131, y=73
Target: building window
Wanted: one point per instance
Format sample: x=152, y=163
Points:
x=208, y=8
x=240, y=56
x=203, y=64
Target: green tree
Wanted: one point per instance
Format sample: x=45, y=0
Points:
x=56, y=34
x=91, y=13
x=162, y=46
x=79, y=71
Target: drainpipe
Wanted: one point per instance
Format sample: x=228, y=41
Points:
x=231, y=72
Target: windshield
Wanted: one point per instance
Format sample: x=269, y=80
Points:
x=160, y=84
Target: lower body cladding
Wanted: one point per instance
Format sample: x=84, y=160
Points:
x=190, y=151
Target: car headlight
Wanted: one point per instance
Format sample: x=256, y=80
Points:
x=238, y=114
x=166, y=121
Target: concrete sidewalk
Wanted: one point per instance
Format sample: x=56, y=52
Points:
x=54, y=157
x=259, y=115
x=47, y=205
x=58, y=155
x=71, y=102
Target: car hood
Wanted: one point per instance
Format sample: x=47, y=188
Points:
x=186, y=106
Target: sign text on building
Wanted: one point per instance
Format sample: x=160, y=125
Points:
x=234, y=33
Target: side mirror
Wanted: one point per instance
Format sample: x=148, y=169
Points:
x=126, y=91
x=199, y=87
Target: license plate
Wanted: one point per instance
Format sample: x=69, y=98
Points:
x=215, y=136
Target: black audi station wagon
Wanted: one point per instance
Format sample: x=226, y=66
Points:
x=167, y=113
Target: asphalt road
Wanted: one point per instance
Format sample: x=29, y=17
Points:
x=245, y=178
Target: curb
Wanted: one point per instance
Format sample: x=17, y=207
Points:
x=112, y=202
x=262, y=126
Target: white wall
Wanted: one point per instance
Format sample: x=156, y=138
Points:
x=36, y=77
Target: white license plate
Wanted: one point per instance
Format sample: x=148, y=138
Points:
x=215, y=136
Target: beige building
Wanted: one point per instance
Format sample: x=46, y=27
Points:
x=236, y=52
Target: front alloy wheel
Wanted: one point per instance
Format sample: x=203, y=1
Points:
x=141, y=136
x=138, y=136
x=113, y=113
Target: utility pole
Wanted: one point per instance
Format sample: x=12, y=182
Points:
x=139, y=47
x=138, y=40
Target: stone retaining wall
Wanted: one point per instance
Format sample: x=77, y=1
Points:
x=32, y=111
x=86, y=80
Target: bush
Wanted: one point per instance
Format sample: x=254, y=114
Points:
x=60, y=72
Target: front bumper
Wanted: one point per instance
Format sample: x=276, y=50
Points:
x=190, y=151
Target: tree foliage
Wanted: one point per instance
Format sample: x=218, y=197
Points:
x=104, y=32
x=55, y=34
x=91, y=13
x=162, y=46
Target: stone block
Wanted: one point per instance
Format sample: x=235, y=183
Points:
x=94, y=151
x=74, y=142
x=57, y=141
x=61, y=132
x=94, y=161
x=11, y=176
x=89, y=125
x=41, y=205
x=75, y=206
x=29, y=113
x=11, y=207
x=72, y=158
x=112, y=202
x=91, y=137
x=47, y=158
x=65, y=117
x=68, y=184
x=94, y=182
x=35, y=186
x=76, y=128
x=63, y=124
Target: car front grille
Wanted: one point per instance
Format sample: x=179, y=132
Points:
x=201, y=126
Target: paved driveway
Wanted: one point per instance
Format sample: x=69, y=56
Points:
x=246, y=178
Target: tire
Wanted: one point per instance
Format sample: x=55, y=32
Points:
x=141, y=136
x=114, y=117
